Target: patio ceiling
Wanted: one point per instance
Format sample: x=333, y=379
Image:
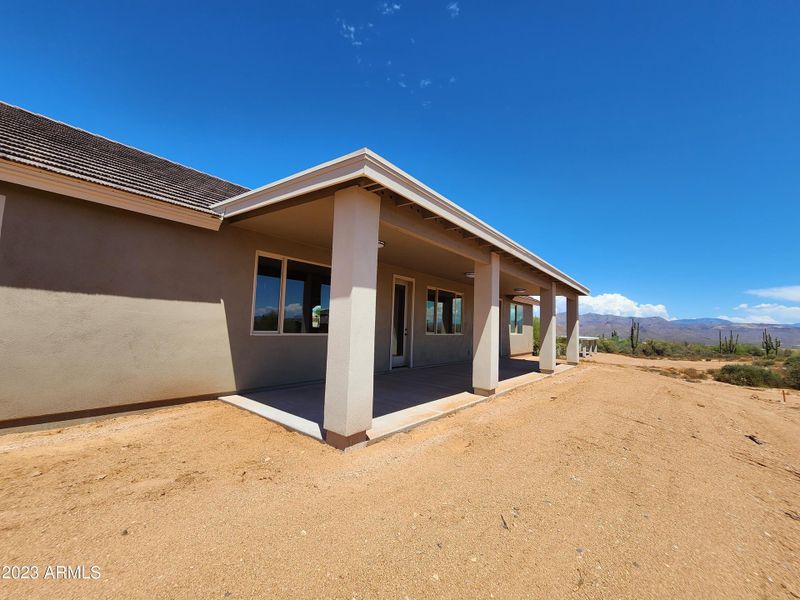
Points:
x=311, y=223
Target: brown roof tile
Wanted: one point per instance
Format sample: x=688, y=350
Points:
x=35, y=140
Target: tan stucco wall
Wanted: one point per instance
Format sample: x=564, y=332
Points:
x=103, y=307
x=428, y=349
x=520, y=343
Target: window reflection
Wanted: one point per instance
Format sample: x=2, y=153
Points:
x=444, y=312
x=307, y=299
x=515, y=318
x=268, y=291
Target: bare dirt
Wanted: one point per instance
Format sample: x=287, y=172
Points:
x=607, y=481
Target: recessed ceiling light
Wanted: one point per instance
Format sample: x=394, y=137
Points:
x=469, y=275
x=520, y=290
x=381, y=244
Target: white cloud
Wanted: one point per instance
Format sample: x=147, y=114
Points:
x=348, y=32
x=790, y=293
x=453, y=9
x=389, y=8
x=766, y=320
x=765, y=313
x=295, y=309
x=616, y=304
x=402, y=84
x=423, y=83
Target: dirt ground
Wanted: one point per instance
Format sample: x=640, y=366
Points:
x=607, y=481
x=663, y=363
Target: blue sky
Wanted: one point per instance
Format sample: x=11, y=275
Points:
x=651, y=150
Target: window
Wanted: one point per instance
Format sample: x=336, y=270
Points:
x=443, y=312
x=307, y=299
x=291, y=296
x=268, y=294
x=515, y=318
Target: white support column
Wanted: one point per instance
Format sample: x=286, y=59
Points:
x=573, y=329
x=351, y=325
x=547, y=316
x=486, y=327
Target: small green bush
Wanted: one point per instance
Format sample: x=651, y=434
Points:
x=749, y=375
x=764, y=362
x=791, y=368
x=655, y=348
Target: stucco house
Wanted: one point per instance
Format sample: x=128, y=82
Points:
x=127, y=280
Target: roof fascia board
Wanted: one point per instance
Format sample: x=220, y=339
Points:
x=48, y=181
x=325, y=175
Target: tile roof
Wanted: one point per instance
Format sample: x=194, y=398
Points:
x=35, y=140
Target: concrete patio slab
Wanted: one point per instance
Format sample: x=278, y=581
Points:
x=403, y=398
x=287, y=419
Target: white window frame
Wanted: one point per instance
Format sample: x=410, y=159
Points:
x=281, y=295
x=435, y=304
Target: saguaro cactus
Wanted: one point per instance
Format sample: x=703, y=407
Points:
x=634, y=336
x=770, y=345
x=728, y=345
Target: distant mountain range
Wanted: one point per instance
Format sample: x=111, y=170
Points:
x=704, y=331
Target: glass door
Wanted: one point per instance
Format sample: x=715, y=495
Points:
x=400, y=325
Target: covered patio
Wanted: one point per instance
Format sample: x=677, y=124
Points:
x=402, y=398
x=395, y=281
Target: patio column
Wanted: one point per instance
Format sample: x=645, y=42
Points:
x=351, y=324
x=547, y=316
x=486, y=327
x=573, y=328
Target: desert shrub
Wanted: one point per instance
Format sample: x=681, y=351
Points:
x=791, y=372
x=693, y=374
x=749, y=375
x=656, y=348
x=749, y=350
x=613, y=345
x=764, y=362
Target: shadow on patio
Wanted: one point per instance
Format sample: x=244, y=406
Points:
x=403, y=398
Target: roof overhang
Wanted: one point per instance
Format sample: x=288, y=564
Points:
x=365, y=164
x=70, y=185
